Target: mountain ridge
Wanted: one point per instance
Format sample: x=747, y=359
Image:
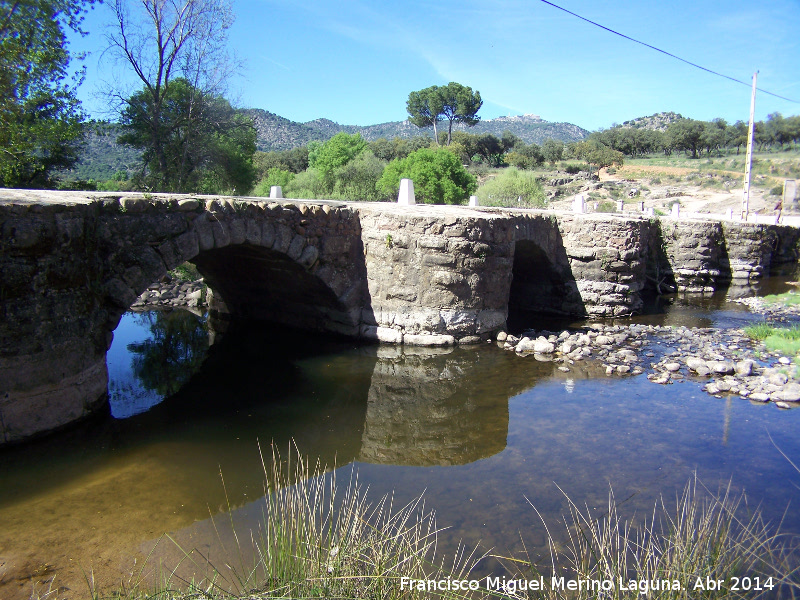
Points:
x=278, y=133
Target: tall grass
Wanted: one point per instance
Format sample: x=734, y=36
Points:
x=699, y=537
x=317, y=539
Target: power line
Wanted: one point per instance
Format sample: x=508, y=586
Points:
x=622, y=35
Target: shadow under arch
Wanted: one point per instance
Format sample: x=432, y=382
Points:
x=542, y=284
x=252, y=282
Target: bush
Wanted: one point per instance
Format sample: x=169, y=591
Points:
x=606, y=206
x=507, y=188
x=275, y=176
x=438, y=176
x=357, y=180
x=307, y=185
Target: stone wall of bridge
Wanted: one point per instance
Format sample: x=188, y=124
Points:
x=72, y=263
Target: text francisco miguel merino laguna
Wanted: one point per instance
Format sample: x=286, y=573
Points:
x=642, y=586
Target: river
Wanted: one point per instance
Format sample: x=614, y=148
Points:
x=485, y=435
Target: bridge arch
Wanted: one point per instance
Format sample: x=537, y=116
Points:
x=291, y=264
x=76, y=268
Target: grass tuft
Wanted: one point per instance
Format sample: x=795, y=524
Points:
x=700, y=536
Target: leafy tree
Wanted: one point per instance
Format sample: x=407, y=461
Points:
x=199, y=143
x=526, y=156
x=686, y=134
x=553, y=150
x=438, y=176
x=512, y=187
x=170, y=43
x=455, y=102
x=459, y=105
x=357, y=180
x=425, y=108
x=335, y=153
x=294, y=161
x=307, y=185
x=40, y=117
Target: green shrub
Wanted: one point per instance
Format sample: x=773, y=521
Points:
x=307, y=185
x=438, y=176
x=509, y=186
x=606, y=206
x=357, y=180
x=275, y=176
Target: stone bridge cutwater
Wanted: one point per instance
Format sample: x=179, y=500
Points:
x=72, y=263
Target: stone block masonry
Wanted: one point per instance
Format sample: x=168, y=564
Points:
x=71, y=263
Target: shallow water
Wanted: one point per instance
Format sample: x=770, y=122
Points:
x=484, y=433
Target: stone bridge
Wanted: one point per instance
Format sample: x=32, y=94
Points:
x=73, y=263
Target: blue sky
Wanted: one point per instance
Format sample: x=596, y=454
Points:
x=355, y=62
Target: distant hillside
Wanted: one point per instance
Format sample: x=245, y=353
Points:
x=657, y=122
x=103, y=157
x=277, y=133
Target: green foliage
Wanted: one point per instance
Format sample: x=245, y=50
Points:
x=438, y=176
x=509, y=186
x=357, y=180
x=308, y=185
x=294, y=161
x=526, y=156
x=274, y=176
x=40, y=117
x=192, y=142
x=455, y=102
x=606, y=206
x=425, y=108
x=553, y=151
x=597, y=154
x=335, y=153
x=398, y=147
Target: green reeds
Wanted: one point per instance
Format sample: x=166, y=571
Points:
x=674, y=554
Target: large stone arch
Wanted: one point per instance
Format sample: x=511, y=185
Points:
x=72, y=269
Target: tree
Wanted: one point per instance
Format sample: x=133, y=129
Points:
x=336, y=152
x=425, y=108
x=170, y=43
x=455, y=102
x=40, y=117
x=553, y=150
x=203, y=144
x=686, y=134
x=438, y=176
x=459, y=105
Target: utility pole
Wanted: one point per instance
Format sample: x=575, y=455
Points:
x=749, y=159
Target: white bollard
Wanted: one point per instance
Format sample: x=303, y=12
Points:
x=650, y=211
x=406, y=195
x=579, y=204
x=275, y=192
x=729, y=214
x=676, y=211
x=620, y=206
x=641, y=206
x=473, y=201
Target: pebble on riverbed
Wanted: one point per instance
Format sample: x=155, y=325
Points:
x=725, y=359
